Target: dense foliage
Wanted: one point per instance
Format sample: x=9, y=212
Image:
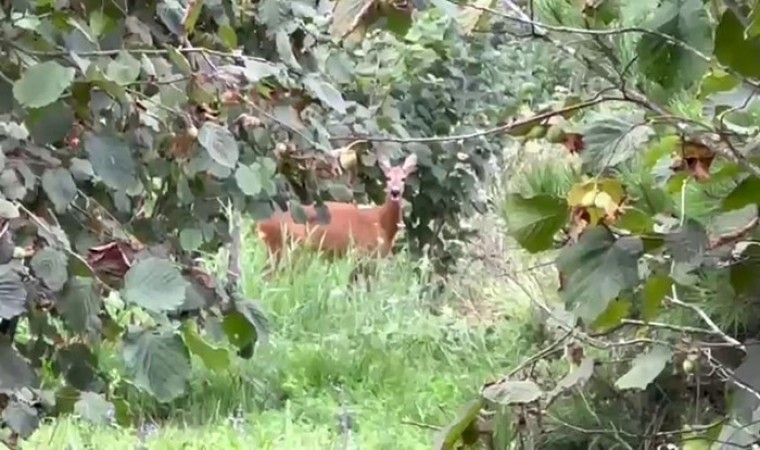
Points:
x=135, y=135
x=653, y=219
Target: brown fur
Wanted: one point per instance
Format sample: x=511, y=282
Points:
x=371, y=231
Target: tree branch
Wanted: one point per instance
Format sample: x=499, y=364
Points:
x=495, y=130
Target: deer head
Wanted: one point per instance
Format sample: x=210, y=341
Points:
x=395, y=176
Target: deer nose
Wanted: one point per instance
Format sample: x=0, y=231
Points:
x=395, y=193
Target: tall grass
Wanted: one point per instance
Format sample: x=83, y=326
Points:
x=381, y=357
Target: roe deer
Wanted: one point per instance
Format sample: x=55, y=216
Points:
x=370, y=230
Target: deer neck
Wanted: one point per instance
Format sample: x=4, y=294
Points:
x=390, y=213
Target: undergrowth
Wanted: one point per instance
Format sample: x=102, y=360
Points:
x=391, y=361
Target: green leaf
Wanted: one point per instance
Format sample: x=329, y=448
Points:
x=688, y=243
x=219, y=143
x=79, y=366
x=248, y=180
x=635, y=221
x=239, y=329
x=179, y=60
x=50, y=124
x=52, y=266
x=534, y=221
x=612, y=316
x=158, y=362
x=15, y=371
x=743, y=273
x=251, y=310
x=8, y=210
x=191, y=17
x=645, y=368
x=80, y=304
x=576, y=377
x=285, y=49
x=214, y=358
x=12, y=292
x=172, y=13
x=228, y=36
x=327, y=93
x=753, y=29
x=154, y=284
x=655, y=290
x=42, y=84
x=670, y=64
x=745, y=193
x=733, y=50
x=717, y=81
x=256, y=70
x=59, y=187
x=124, y=69
x=190, y=239
x=111, y=159
x=611, y=140
x=340, y=192
x=94, y=408
x=597, y=268
x=744, y=404
x=297, y=212
x=452, y=433
x=81, y=169
x=512, y=392
x=21, y=418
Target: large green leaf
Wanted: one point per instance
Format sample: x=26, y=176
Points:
x=219, y=143
x=111, y=159
x=452, y=433
x=248, y=180
x=80, y=304
x=94, y=408
x=215, y=358
x=745, y=193
x=688, y=243
x=654, y=292
x=326, y=92
x=733, y=49
x=158, y=362
x=15, y=371
x=21, y=418
x=79, y=366
x=52, y=266
x=668, y=63
x=155, y=284
x=124, y=69
x=43, y=84
x=59, y=187
x=612, y=139
x=597, y=268
x=12, y=292
x=534, y=221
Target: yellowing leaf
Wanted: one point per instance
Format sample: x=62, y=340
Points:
x=348, y=15
x=469, y=16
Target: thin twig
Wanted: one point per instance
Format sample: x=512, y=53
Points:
x=668, y=326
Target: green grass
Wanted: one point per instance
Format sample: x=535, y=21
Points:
x=381, y=356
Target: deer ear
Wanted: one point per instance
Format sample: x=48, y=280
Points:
x=384, y=163
x=410, y=164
